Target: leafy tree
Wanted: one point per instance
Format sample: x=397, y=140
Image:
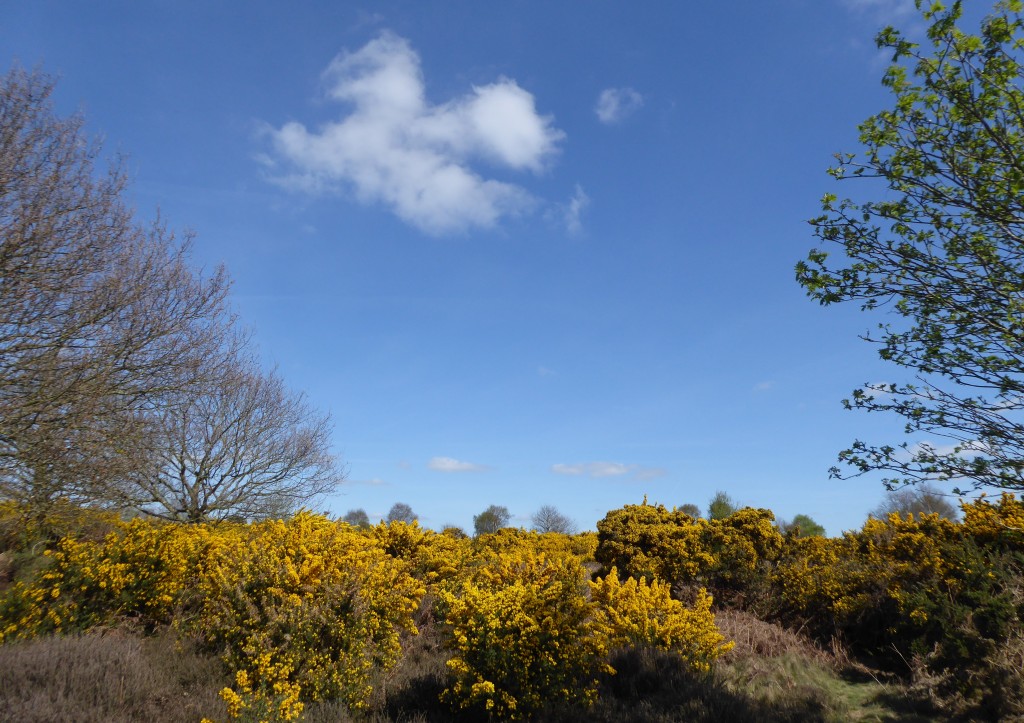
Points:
x=804, y=526
x=942, y=250
x=917, y=500
x=357, y=518
x=491, y=520
x=690, y=509
x=721, y=506
x=99, y=314
x=401, y=512
x=549, y=519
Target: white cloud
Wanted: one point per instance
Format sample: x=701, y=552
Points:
x=447, y=464
x=608, y=469
x=395, y=148
x=574, y=210
x=647, y=473
x=888, y=11
x=764, y=386
x=545, y=372
x=616, y=104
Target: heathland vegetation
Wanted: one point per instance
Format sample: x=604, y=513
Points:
x=156, y=561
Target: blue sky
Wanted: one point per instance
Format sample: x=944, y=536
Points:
x=524, y=253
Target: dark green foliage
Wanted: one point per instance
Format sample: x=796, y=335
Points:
x=491, y=520
x=721, y=506
x=804, y=526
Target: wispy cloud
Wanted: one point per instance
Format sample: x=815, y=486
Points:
x=616, y=104
x=608, y=469
x=396, y=148
x=373, y=482
x=447, y=464
x=883, y=10
x=764, y=386
x=573, y=211
x=545, y=372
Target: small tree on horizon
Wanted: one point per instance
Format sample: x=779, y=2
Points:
x=690, y=509
x=549, y=519
x=804, y=526
x=721, y=506
x=491, y=520
x=357, y=518
x=401, y=512
x=917, y=500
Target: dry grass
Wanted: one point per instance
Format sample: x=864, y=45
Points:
x=108, y=676
x=772, y=676
x=755, y=637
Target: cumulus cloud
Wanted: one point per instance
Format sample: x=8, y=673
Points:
x=447, y=464
x=616, y=104
x=608, y=469
x=397, y=149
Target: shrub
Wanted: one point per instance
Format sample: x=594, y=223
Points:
x=639, y=614
x=309, y=597
x=523, y=635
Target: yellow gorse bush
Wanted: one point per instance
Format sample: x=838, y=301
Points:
x=307, y=596
x=637, y=613
x=138, y=571
x=317, y=597
x=523, y=634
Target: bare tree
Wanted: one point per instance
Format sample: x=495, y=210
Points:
x=238, y=444
x=98, y=314
x=357, y=518
x=401, y=512
x=920, y=499
x=549, y=519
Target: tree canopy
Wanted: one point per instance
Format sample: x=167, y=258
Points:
x=549, y=519
x=941, y=250
x=491, y=520
x=721, y=506
x=401, y=512
x=124, y=381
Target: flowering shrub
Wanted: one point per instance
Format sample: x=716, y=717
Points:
x=523, y=634
x=649, y=541
x=139, y=571
x=322, y=600
x=1000, y=524
x=431, y=557
x=275, y=699
x=729, y=555
x=639, y=614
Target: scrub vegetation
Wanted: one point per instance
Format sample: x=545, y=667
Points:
x=157, y=561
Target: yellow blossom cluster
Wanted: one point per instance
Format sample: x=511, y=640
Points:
x=276, y=698
x=316, y=596
x=308, y=596
x=637, y=613
x=650, y=541
x=138, y=571
x=837, y=582
x=999, y=523
x=523, y=634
